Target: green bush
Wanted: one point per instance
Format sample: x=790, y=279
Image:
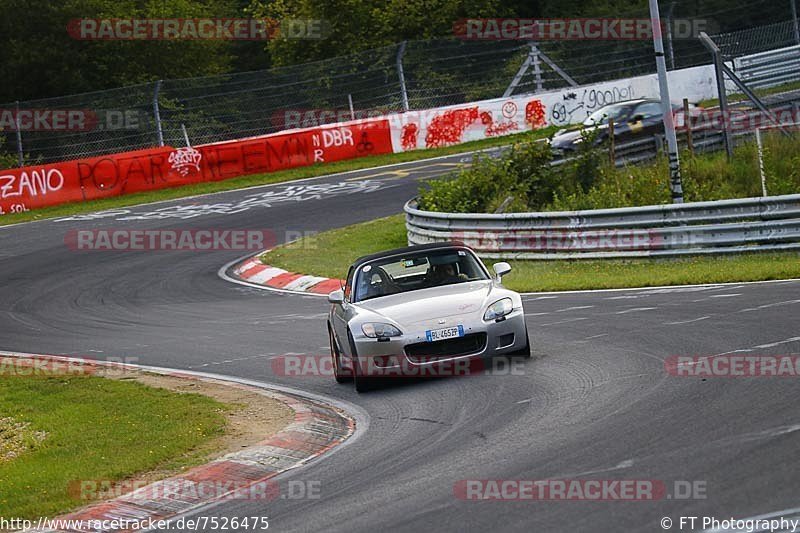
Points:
x=520, y=178
x=7, y=160
x=618, y=188
x=523, y=180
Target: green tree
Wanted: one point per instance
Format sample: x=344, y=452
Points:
x=38, y=58
x=356, y=25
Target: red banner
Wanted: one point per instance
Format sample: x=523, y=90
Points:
x=295, y=148
x=34, y=187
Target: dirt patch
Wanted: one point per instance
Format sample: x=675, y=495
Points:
x=17, y=438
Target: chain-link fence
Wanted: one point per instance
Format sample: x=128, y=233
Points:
x=753, y=40
x=408, y=76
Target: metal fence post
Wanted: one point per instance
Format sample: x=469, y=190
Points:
x=670, y=51
x=186, y=136
x=723, y=96
x=612, y=155
x=761, y=162
x=794, y=21
x=157, y=114
x=400, y=52
x=687, y=122
x=675, y=182
x=537, y=69
x=20, y=153
x=533, y=56
x=352, y=110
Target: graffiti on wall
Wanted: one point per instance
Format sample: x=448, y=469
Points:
x=506, y=122
x=452, y=126
x=575, y=106
x=535, y=114
x=157, y=168
x=448, y=127
x=185, y=160
x=409, y=138
x=35, y=183
x=122, y=174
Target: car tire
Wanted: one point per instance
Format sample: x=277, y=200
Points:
x=525, y=351
x=361, y=382
x=339, y=374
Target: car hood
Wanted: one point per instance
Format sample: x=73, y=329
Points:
x=427, y=307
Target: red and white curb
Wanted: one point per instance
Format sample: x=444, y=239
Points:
x=255, y=273
x=320, y=424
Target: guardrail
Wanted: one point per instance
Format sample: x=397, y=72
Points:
x=770, y=68
x=704, y=139
x=648, y=148
x=726, y=226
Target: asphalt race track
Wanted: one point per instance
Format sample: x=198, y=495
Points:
x=594, y=403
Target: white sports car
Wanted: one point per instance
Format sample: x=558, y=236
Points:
x=405, y=310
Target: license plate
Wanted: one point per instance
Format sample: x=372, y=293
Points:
x=444, y=333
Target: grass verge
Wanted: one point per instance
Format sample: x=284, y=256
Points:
x=254, y=180
x=96, y=428
x=330, y=254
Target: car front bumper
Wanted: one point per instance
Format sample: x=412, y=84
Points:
x=407, y=354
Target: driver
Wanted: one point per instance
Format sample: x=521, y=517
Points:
x=444, y=274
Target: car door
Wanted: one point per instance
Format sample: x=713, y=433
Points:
x=341, y=314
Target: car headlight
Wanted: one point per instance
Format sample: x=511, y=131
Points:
x=498, y=309
x=379, y=329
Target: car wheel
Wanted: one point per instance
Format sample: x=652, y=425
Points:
x=525, y=351
x=339, y=374
x=361, y=382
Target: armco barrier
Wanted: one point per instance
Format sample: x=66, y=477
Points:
x=158, y=168
x=726, y=226
x=770, y=68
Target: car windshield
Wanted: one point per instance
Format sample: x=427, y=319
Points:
x=619, y=112
x=420, y=270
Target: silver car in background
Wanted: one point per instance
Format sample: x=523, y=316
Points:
x=429, y=306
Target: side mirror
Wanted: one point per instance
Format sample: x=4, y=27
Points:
x=336, y=297
x=501, y=269
x=637, y=118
